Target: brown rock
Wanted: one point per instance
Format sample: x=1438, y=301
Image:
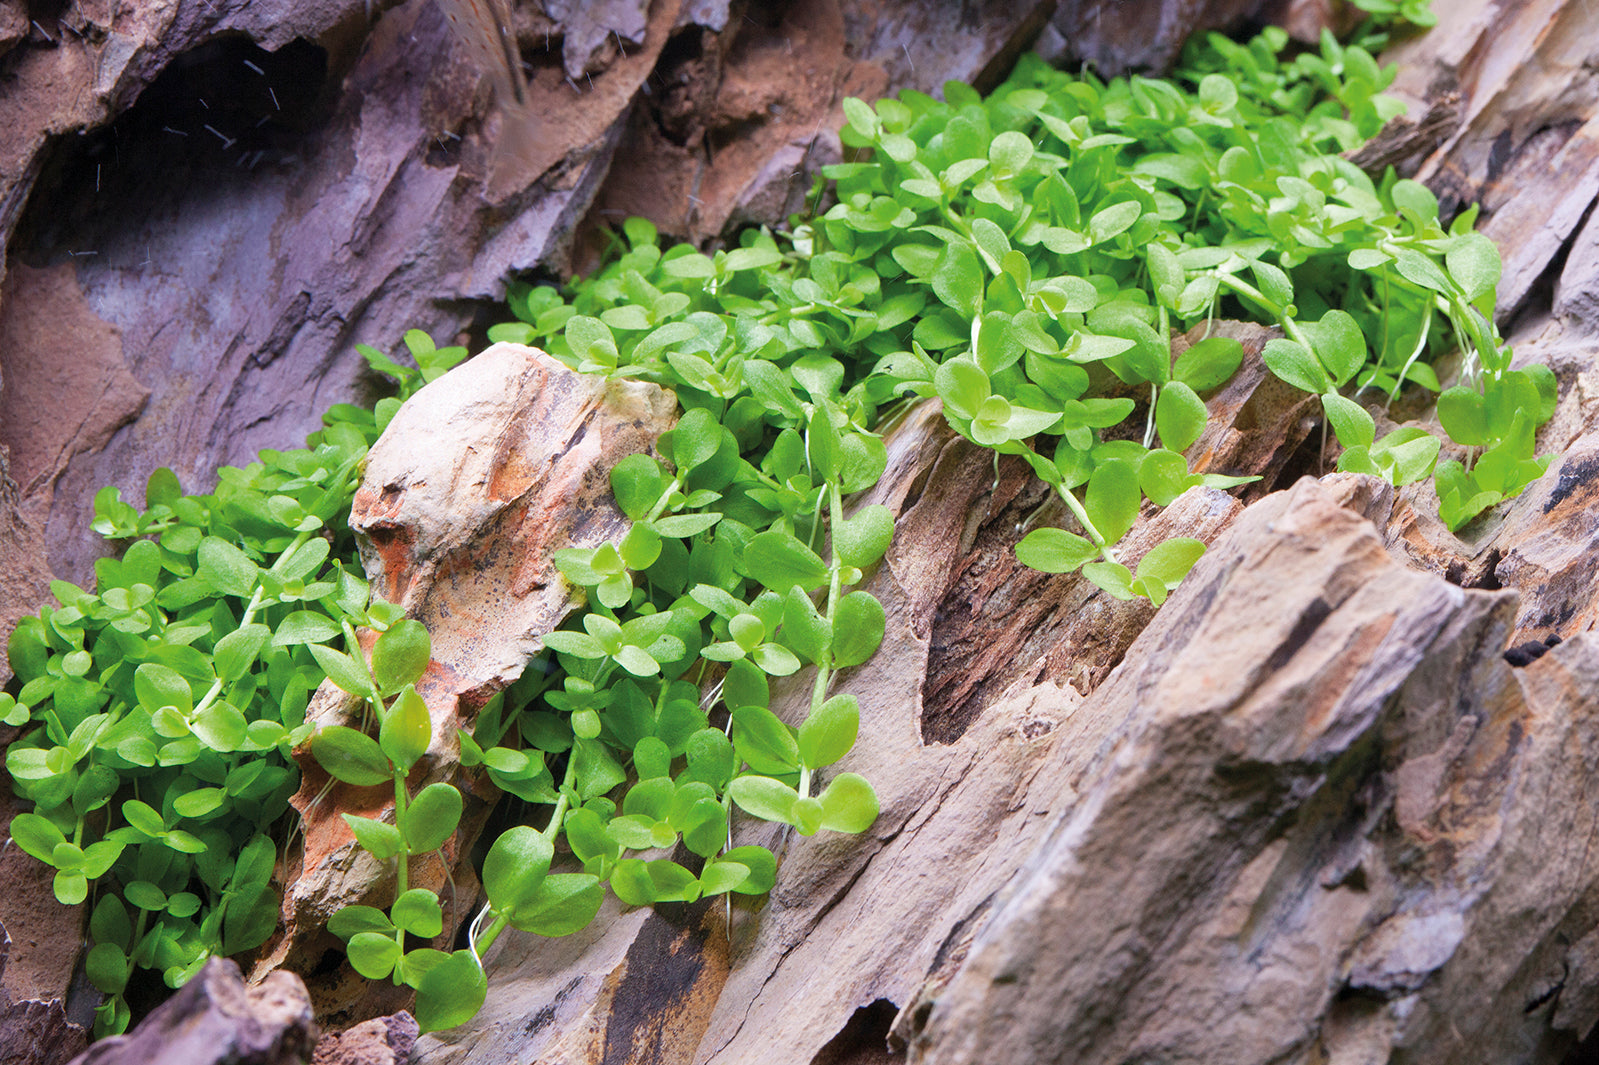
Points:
x=1119, y=37
x=33, y=1031
x=216, y=1020
x=1526, y=144
x=474, y=483
x=380, y=1041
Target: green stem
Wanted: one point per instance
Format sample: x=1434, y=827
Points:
x=491, y=933
x=554, y=827
x=402, y=868
x=660, y=504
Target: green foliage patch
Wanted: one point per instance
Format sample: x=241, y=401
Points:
x=1024, y=258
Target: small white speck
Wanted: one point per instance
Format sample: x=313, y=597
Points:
x=255, y=68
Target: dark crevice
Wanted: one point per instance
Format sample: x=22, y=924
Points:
x=864, y=1038
x=215, y=114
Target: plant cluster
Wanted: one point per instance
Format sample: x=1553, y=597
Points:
x=1024, y=258
x=168, y=698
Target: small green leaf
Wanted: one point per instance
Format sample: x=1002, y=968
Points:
x=763, y=741
x=406, y=730
x=1170, y=560
x=637, y=483
x=848, y=804
x=564, y=903
x=829, y=732
x=1112, y=498
x=303, y=626
x=858, y=625
x=1354, y=426
x=780, y=561
x=400, y=655
x=432, y=816
x=1180, y=416
x=1054, y=551
x=350, y=756
x=515, y=867
x=958, y=279
x=418, y=912
x=1293, y=363
x=451, y=992
x=380, y=840
x=763, y=797
x=1209, y=364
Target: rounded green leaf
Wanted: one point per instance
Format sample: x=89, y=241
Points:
x=236, y=652
x=350, y=756
x=780, y=561
x=1294, y=364
x=1180, y=416
x=1163, y=476
x=763, y=741
x=1112, y=498
x=417, y=911
x=199, y=802
x=373, y=955
x=353, y=919
x=1350, y=421
x=848, y=804
x=378, y=838
x=762, y=865
x=107, y=968
x=221, y=726
x=303, y=626
x=858, y=625
x=564, y=903
x=37, y=836
x=1209, y=364
x=406, y=730
x=861, y=540
x=515, y=867
x=637, y=483
x=1055, y=551
x=1464, y=416
x=1170, y=560
x=829, y=732
x=431, y=817
x=451, y=992
x=763, y=797
x=157, y=686
x=400, y=655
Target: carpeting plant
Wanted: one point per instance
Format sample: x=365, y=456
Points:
x=1024, y=258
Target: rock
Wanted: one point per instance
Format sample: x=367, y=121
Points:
x=738, y=127
x=476, y=480
x=39, y=957
x=33, y=1031
x=1119, y=37
x=215, y=1019
x=24, y=573
x=1304, y=840
x=1526, y=142
x=380, y=1041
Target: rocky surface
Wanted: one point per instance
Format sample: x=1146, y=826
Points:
x=380, y=1041
x=215, y=1019
x=33, y=1031
x=471, y=487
